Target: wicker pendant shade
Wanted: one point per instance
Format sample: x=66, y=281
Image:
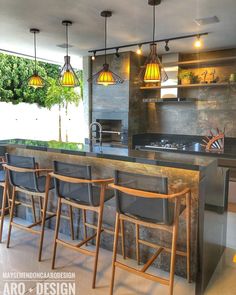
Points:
x=68, y=77
x=35, y=81
x=153, y=71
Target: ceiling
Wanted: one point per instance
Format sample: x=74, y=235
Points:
x=131, y=22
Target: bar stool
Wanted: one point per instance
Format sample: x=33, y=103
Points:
x=6, y=200
x=74, y=186
x=25, y=177
x=144, y=201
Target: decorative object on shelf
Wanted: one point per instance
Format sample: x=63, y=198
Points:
x=68, y=77
x=35, y=80
x=105, y=76
x=214, y=79
x=153, y=71
x=232, y=77
x=204, y=74
x=215, y=142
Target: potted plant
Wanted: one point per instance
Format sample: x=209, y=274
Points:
x=187, y=77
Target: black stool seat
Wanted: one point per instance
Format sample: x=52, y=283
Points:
x=80, y=196
x=41, y=182
x=151, y=212
x=29, y=181
x=2, y=175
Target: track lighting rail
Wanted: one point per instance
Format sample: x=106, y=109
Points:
x=94, y=51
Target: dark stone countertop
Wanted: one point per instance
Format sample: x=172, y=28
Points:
x=175, y=160
x=194, y=146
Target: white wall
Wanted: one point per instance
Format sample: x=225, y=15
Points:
x=28, y=121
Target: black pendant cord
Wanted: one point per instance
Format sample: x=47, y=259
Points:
x=67, y=43
x=35, y=53
x=154, y=23
x=105, y=40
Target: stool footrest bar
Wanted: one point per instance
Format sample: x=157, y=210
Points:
x=26, y=228
x=86, y=240
x=142, y=274
x=149, y=244
x=151, y=260
x=74, y=247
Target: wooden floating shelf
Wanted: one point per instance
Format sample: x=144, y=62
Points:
x=202, y=62
x=188, y=86
x=210, y=61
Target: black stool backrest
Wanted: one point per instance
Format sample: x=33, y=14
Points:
x=73, y=190
x=149, y=209
x=26, y=180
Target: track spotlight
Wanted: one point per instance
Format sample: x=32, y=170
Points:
x=198, y=42
x=167, y=48
x=94, y=55
x=139, y=50
x=117, y=53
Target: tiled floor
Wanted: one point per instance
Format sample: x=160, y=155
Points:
x=22, y=256
x=223, y=281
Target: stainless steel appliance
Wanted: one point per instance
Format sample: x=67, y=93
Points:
x=164, y=145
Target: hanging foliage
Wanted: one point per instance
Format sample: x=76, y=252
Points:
x=14, y=72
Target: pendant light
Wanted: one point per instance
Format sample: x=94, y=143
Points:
x=105, y=76
x=35, y=80
x=68, y=77
x=153, y=71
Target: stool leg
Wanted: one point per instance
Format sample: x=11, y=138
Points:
x=173, y=247
x=41, y=207
x=122, y=226
x=11, y=215
x=44, y=217
x=84, y=224
x=4, y=199
x=33, y=208
x=188, y=224
x=71, y=223
x=99, y=228
x=56, y=232
x=137, y=243
x=116, y=235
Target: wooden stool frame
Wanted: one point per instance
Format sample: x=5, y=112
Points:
x=43, y=206
x=98, y=209
x=4, y=207
x=186, y=193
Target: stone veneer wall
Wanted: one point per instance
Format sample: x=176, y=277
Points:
x=119, y=102
x=214, y=107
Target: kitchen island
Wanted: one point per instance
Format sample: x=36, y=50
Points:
x=208, y=184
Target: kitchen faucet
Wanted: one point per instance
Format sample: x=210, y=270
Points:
x=91, y=132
